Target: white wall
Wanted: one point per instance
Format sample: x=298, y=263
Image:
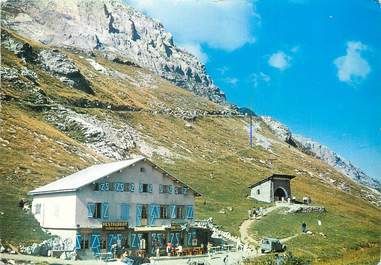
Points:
x=57, y=211
x=265, y=192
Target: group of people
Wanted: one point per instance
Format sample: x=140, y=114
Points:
x=253, y=213
x=171, y=250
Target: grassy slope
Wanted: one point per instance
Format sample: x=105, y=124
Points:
x=212, y=156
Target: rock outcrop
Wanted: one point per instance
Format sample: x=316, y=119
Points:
x=64, y=69
x=111, y=27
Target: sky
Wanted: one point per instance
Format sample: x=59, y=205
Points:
x=313, y=65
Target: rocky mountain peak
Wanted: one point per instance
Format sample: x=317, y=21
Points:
x=111, y=27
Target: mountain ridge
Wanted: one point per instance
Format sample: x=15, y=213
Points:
x=322, y=152
x=115, y=29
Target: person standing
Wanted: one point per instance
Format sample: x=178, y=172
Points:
x=169, y=249
x=304, y=227
x=226, y=259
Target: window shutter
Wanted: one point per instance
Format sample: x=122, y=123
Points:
x=132, y=187
x=151, y=217
x=189, y=239
x=111, y=240
x=135, y=241
x=124, y=211
x=171, y=238
x=185, y=190
x=119, y=186
x=140, y=187
x=157, y=207
x=150, y=188
x=95, y=243
x=161, y=190
x=78, y=242
x=90, y=209
x=177, y=235
x=176, y=190
x=170, y=188
x=138, y=214
x=172, y=211
x=105, y=207
x=189, y=212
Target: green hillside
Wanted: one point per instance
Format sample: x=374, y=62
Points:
x=209, y=151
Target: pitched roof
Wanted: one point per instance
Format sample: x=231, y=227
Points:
x=88, y=175
x=281, y=176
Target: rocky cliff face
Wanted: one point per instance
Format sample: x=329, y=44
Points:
x=116, y=30
x=321, y=152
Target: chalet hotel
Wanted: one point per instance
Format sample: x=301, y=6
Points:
x=123, y=202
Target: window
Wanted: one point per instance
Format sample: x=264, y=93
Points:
x=104, y=186
x=258, y=191
x=37, y=209
x=84, y=242
x=165, y=188
x=118, y=186
x=163, y=212
x=144, y=211
x=130, y=187
x=94, y=210
x=180, y=212
x=142, y=169
x=145, y=187
x=96, y=186
x=179, y=190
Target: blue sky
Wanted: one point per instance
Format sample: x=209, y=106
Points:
x=313, y=65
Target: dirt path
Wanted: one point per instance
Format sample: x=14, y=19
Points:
x=245, y=227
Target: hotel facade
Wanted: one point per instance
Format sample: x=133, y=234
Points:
x=130, y=203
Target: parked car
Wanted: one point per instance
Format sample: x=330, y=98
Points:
x=271, y=245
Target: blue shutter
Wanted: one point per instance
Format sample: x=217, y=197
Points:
x=161, y=190
x=185, y=190
x=138, y=214
x=124, y=211
x=105, y=207
x=177, y=235
x=90, y=209
x=172, y=211
x=132, y=187
x=95, y=243
x=189, y=212
x=171, y=238
x=160, y=239
x=170, y=188
x=119, y=186
x=110, y=241
x=78, y=242
x=119, y=238
x=150, y=188
x=140, y=187
x=157, y=215
x=134, y=241
x=104, y=186
x=152, y=215
x=189, y=239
